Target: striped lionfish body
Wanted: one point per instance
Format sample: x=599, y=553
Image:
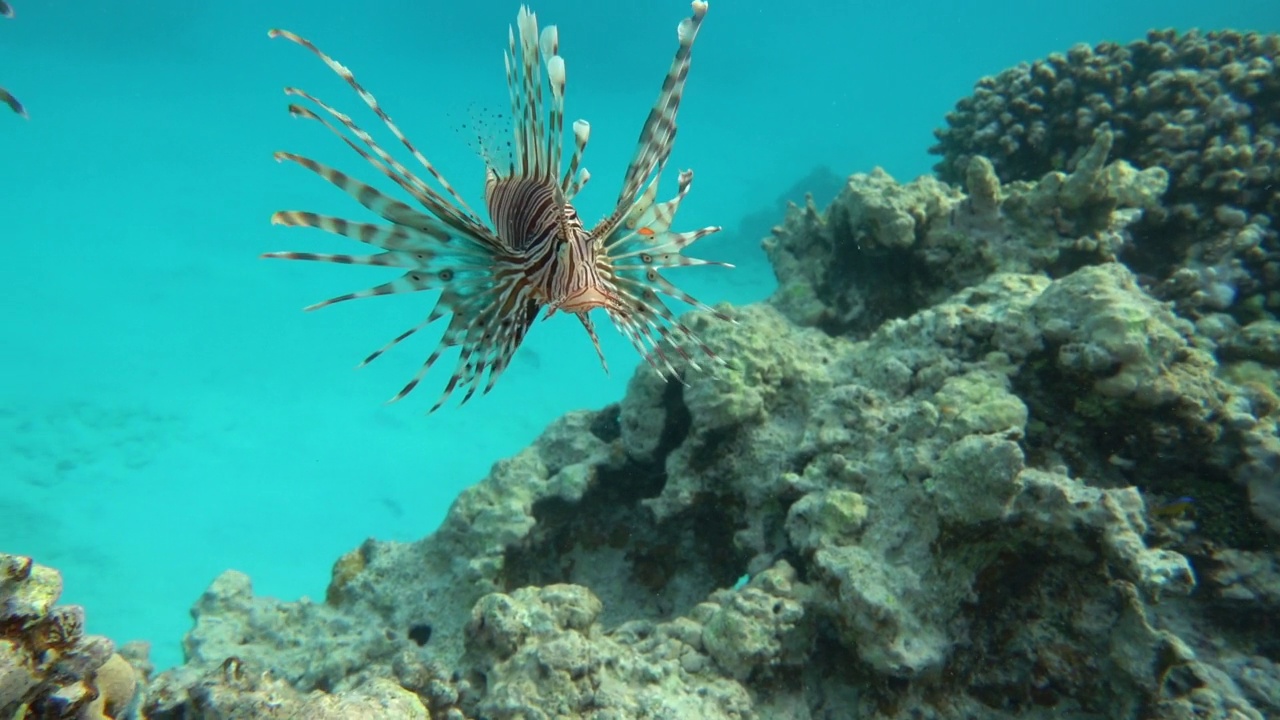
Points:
x=5, y=96
x=535, y=256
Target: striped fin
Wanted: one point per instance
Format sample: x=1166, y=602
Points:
x=595, y=339
x=488, y=330
x=372, y=198
x=5, y=97
x=637, y=251
x=388, y=165
x=532, y=61
x=637, y=238
x=372, y=102
x=576, y=176
x=659, y=131
x=549, y=47
x=443, y=247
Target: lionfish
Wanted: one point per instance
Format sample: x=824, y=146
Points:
x=5, y=97
x=495, y=279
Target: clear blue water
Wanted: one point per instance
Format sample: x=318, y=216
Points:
x=166, y=410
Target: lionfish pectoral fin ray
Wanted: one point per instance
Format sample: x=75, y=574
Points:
x=387, y=207
x=386, y=164
x=398, y=339
x=421, y=241
x=382, y=259
x=372, y=103
x=659, y=131
x=412, y=281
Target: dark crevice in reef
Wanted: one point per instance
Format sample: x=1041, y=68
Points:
x=607, y=424
x=1019, y=658
x=608, y=541
x=1172, y=451
x=830, y=668
x=1243, y=623
x=1070, y=260
x=890, y=283
x=1161, y=239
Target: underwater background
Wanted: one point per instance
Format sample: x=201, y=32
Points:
x=168, y=412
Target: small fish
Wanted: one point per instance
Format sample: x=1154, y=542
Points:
x=1174, y=508
x=5, y=97
x=535, y=254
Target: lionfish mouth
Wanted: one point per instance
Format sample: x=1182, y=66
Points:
x=588, y=300
x=495, y=278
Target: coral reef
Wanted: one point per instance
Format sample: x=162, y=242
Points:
x=884, y=250
x=966, y=462
x=49, y=667
x=915, y=531
x=1200, y=105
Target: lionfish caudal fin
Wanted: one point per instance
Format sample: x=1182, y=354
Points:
x=5, y=97
x=482, y=275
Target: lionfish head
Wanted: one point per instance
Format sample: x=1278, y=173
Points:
x=535, y=255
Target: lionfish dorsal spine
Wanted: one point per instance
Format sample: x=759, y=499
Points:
x=575, y=176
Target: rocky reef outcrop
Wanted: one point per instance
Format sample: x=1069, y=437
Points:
x=49, y=666
x=902, y=524
x=912, y=522
x=1203, y=106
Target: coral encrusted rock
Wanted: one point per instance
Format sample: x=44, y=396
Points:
x=1202, y=106
x=49, y=667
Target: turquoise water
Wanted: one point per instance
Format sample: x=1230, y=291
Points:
x=166, y=410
